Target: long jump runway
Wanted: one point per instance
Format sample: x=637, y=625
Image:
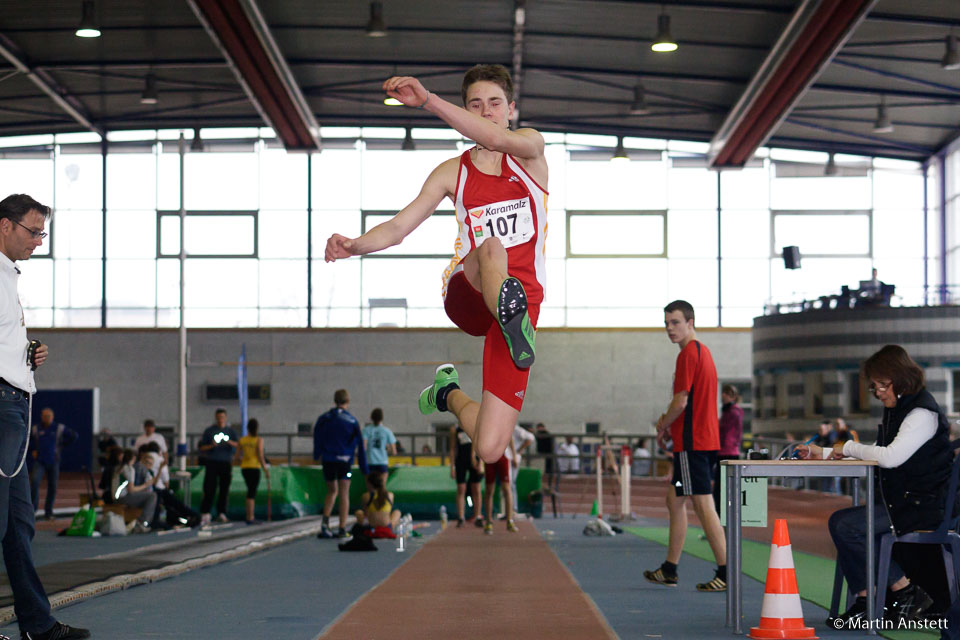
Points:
x=466, y=584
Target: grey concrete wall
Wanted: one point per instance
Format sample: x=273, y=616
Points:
x=620, y=378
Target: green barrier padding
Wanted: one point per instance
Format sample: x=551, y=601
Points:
x=421, y=491
x=300, y=491
x=814, y=574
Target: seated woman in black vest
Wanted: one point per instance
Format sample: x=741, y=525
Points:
x=914, y=457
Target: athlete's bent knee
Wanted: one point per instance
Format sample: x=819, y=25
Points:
x=490, y=452
x=491, y=249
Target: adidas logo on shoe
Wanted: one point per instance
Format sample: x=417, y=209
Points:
x=524, y=355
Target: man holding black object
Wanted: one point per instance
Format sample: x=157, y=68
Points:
x=21, y=232
x=218, y=445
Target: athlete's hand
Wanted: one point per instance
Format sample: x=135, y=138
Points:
x=407, y=90
x=338, y=247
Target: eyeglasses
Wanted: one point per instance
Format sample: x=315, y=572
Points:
x=33, y=233
x=876, y=388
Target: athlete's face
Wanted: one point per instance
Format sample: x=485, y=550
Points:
x=678, y=327
x=487, y=100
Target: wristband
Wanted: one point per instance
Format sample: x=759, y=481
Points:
x=424, y=105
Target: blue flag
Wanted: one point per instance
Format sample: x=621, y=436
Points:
x=242, y=389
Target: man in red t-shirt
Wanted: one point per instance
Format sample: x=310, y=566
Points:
x=692, y=420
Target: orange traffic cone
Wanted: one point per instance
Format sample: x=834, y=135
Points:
x=781, y=615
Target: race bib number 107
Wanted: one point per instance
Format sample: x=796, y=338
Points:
x=511, y=221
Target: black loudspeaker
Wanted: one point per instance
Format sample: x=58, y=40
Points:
x=791, y=257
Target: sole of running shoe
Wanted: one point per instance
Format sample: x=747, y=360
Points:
x=517, y=330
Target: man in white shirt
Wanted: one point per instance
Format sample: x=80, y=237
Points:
x=22, y=220
x=522, y=440
x=570, y=463
x=150, y=435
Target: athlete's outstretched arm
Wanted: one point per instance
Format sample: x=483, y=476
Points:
x=394, y=230
x=523, y=143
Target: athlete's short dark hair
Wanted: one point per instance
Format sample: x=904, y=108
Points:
x=341, y=397
x=495, y=73
x=680, y=305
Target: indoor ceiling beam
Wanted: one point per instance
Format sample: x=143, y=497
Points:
x=46, y=83
x=238, y=29
x=814, y=35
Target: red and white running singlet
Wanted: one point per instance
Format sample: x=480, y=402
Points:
x=511, y=207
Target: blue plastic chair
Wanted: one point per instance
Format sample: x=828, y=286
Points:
x=945, y=535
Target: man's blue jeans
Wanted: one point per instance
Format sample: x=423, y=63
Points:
x=848, y=528
x=30, y=601
x=52, y=471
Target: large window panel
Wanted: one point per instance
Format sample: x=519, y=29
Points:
x=79, y=181
x=898, y=233
x=221, y=234
x=600, y=316
x=747, y=188
x=420, y=281
x=745, y=233
x=337, y=285
x=77, y=283
x=897, y=189
x=555, y=294
x=120, y=317
x=131, y=180
x=821, y=193
x=692, y=188
x=32, y=176
x=283, y=317
x=906, y=275
x=168, y=284
x=168, y=180
x=283, y=234
x=283, y=283
x=222, y=284
x=283, y=180
x=616, y=185
x=337, y=179
x=221, y=317
x=76, y=317
x=696, y=282
x=692, y=234
x=35, y=285
x=823, y=234
x=605, y=284
x=556, y=231
x=597, y=233
x=131, y=234
x=131, y=283
x=746, y=288
x=77, y=234
x=434, y=237
x=392, y=179
x=221, y=181
x=556, y=156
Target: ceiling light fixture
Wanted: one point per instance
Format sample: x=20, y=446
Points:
x=639, y=105
x=831, y=168
x=883, y=123
x=88, y=22
x=620, y=153
x=149, y=95
x=664, y=42
x=197, y=144
x=951, y=59
x=376, y=27
x=408, y=144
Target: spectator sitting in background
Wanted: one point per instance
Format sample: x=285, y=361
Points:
x=132, y=486
x=150, y=435
x=426, y=449
x=569, y=460
x=378, y=512
x=844, y=432
x=178, y=514
x=104, y=442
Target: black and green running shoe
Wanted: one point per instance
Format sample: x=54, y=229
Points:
x=446, y=375
x=515, y=323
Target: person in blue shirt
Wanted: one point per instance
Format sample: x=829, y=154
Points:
x=336, y=436
x=379, y=441
x=46, y=442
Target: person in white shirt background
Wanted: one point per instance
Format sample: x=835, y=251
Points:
x=150, y=435
x=569, y=461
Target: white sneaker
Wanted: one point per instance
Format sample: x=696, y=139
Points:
x=204, y=519
x=223, y=518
